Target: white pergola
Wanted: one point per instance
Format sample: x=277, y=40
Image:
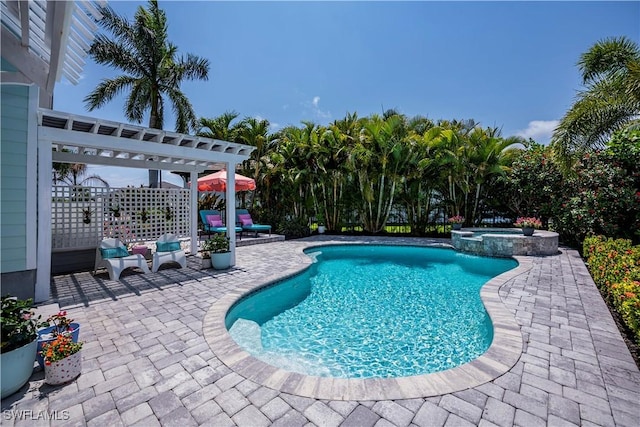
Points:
x=45, y=40
x=69, y=138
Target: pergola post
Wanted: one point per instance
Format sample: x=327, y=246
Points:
x=194, y=212
x=43, y=275
x=230, y=221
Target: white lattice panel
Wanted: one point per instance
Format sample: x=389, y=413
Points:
x=82, y=216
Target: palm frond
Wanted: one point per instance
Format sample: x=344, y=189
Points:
x=183, y=110
x=607, y=57
x=138, y=101
x=107, y=90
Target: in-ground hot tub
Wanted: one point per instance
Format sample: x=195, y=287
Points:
x=504, y=242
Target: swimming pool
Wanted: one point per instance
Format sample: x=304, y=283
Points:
x=371, y=311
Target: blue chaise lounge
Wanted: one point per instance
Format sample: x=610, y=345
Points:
x=212, y=222
x=243, y=219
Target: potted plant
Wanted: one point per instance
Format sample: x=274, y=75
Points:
x=86, y=215
x=115, y=209
x=218, y=246
x=456, y=221
x=62, y=359
x=205, y=253
x=144, y=215
x=321, y=227
x=528, y=225
x=19, y=342
x=61, y=324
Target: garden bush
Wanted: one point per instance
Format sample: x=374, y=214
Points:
x=615, y=268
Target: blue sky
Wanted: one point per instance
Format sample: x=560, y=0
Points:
x=510, y=65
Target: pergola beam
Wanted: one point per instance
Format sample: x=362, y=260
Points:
x=63, y=157
x=70, y=138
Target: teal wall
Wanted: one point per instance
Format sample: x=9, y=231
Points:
x=7, y=66
x=13, y=178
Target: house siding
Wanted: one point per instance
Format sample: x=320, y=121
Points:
x=14, y=132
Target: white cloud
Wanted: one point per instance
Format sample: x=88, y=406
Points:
x=539, y=130
x=318, y=113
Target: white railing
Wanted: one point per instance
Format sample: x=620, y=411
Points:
x=82, y=216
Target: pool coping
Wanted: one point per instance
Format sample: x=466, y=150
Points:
x=503, y=353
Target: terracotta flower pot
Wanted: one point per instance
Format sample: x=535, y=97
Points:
x=64, y=370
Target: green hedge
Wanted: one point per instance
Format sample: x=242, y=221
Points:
x=615, y=268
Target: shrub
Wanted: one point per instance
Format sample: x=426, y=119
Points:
x=294, y=228
x=615, y=268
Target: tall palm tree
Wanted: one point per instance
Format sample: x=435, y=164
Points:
x=610, y=101
x=489, y=156
x=255, y=132
x=151, y=66
x=380, y=159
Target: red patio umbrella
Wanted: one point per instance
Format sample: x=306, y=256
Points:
x=217, y=181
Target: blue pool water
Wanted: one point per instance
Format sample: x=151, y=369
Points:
x=366, y=311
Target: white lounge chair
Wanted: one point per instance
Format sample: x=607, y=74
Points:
x=110, y=254
x=168, y=250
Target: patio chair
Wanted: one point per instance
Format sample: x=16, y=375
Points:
x=168, y=250
x=243, y=218
x=114, y=256
x=212, y=222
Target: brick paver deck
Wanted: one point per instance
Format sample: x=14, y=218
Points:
x=146, y=361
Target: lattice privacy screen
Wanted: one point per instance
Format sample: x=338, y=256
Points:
x=82, y=216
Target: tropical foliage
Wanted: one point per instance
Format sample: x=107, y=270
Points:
x=615, y=268
x=359, y=171
x=600, y=197
x=609, y=102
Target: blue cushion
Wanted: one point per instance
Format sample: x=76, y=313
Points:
x=118, y=252
x=167, y=246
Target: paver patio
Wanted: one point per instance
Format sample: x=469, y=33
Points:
x=146, y=361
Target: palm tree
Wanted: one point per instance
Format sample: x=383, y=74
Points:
x=380, y=160
x=611, y=100
x=220, y=127
x=255, y=132
x=71, y=174
x=152, y=69
x=488, y=157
